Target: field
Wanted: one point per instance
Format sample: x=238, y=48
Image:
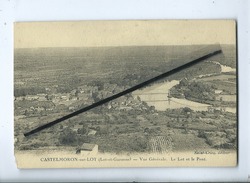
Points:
x=221, y=77
x=71, y=67
x=161, y=144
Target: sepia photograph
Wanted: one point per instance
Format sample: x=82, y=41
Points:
x=139, y=93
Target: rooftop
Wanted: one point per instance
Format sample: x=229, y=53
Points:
x=88, y=147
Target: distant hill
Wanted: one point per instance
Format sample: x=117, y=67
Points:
x=133, y=53
x=127, y=65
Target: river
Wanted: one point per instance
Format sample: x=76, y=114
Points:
x=157, y=95
x=224, y=68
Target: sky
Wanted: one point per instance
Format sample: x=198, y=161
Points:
x=123, y=33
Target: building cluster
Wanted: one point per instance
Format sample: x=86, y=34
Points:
x=82, y=96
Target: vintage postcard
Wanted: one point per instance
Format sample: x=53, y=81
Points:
x=156, y=93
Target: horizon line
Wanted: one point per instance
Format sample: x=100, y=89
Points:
x=122, y=46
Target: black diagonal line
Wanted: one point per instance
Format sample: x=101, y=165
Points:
x=108, y=99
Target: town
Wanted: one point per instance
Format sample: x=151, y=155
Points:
x=141, y=126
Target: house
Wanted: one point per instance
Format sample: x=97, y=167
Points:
x=83, y=96
x=15, y=140
x=41, y=97
x=65, y=97
x=73, y=92
x=218, y=91
x=125, y=108
x=88, y=149
x=39, y=109
x=73, y=98
x=61, y=107
x=76, y=127
x=19, y=98
x=92, y=132
x=210, y=109
x=41, y=94
x=31, y=97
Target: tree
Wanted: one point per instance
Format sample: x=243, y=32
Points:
x=82, y=130
x=68, y=137
x=186, y=110
x=139, y=144
x=183, y=82
x=152, y=108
